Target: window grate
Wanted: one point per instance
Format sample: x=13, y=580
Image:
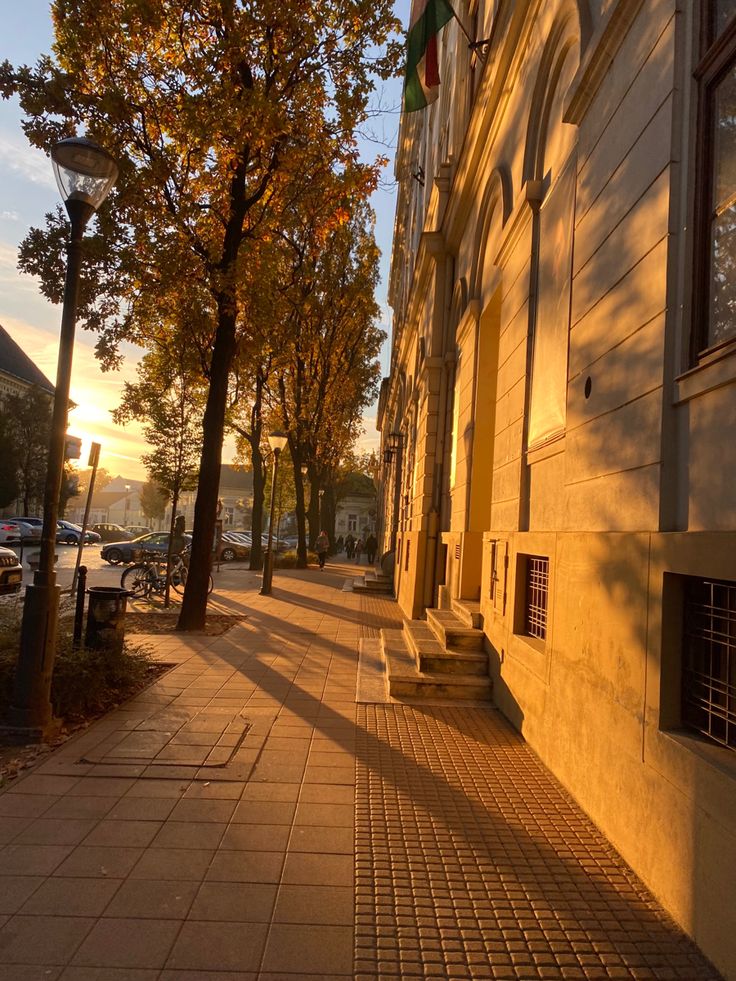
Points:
x=537, y=588
x=709, y=660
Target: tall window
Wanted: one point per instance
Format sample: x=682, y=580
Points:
x=716, y=271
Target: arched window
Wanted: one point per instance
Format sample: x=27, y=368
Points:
x=715, y=276
x=551, y=162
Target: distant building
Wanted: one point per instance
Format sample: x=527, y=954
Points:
x=18, y=374
x=117, y=505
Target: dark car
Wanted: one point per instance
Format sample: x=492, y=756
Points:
x=112, y=533
x=157, y=541
x=11, y=571
x=67, y=533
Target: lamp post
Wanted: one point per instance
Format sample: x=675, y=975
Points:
x=125, y=512
x=84, y=173
x=277, y=441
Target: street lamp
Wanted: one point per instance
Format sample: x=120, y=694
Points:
x=84, y=173
x=277, y=441
x=125, y=513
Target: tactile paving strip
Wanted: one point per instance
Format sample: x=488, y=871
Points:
x=472, y=862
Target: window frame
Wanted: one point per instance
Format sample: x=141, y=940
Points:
x=716, y=57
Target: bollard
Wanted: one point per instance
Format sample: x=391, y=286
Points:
x=79, y=609
x=106, y=618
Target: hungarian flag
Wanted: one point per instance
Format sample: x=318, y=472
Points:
x=421, y=85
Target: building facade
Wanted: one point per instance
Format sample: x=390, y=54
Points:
x=556, y=424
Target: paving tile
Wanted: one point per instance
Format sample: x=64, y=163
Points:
x=189, y=834
x=25, y=805
x=42, y=939
x=338, y=775
x=137, y=943
x=32, y=859
x=11, y=827
x=101, y=786
x=311, y=949
x=126, y=833
x=59, y=831
x=173, y=863
x=71, y=897
x=248, y=902
x=15, y=890
x=323, y=841
x=214, y=790
x=19, y=972
x=36, y=783
x=277, y=792
x=264, y=812
x=325, y=815
x=99, y=861
x=78, y=973
x=142, y=809
x=208, y=976
x=153, y=899
x=256, y=837
x=203, y=946
x=315, y=904
x=80, y=807
x=318, y=870
x=320, y=793
x=155, y=788
x=189, y=809
x=242, y=866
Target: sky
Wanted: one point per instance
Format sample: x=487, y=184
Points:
x=28, y=191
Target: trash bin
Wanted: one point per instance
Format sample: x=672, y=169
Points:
x=106, y=618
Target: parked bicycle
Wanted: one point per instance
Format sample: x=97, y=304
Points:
x=148, y=576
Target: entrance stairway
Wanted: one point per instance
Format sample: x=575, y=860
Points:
x=443, y=657
x=373, y=582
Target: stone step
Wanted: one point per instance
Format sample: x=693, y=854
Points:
x=452, y=633
x=363, y=585
x=431, y=657
x=405, y=681
x=468, y=612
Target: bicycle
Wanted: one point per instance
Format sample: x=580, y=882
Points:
x=148, y=576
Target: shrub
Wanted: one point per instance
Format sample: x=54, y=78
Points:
x=288, y=560
x=85, y=682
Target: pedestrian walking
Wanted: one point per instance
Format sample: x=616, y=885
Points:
x=371, y=546
x=349, y=546
x=358, y=550
x=322, y=546
x=339, y=545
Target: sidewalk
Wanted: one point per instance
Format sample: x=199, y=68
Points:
x=244, y=818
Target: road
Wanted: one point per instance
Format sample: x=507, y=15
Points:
x=99, y=572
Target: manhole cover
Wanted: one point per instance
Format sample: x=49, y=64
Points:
x=175, y=737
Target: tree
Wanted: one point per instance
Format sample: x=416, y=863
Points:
x=9, y=486
x=216, y=113
x=27, y=422
x=168, y=399
x=153, y=499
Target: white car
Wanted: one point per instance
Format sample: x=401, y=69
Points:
x=9, y=534
x=11, y=571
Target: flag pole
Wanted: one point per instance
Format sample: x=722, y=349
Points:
x=472, y=43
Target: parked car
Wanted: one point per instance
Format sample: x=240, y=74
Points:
x=11, y=571
x=69, y=534
x=9, y=534
x=116, y=552
x=136, y=530
x=29, y=530
x=232, y=548
x=112, y=533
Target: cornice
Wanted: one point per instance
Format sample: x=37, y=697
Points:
x=601, y=51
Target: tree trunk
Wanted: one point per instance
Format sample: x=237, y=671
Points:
x=313, y=513
x=256, y=525
x=174, y=504
x=194, y=606
x=301, y=524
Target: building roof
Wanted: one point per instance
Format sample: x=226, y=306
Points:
x=14, y=361
x=235, y=480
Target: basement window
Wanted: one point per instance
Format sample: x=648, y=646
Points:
x=532, y=594
x=709, y=659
